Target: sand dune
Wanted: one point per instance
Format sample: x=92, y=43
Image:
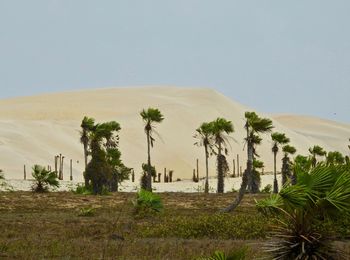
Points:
x=35, y=129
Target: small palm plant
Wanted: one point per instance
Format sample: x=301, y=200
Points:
x=278, y=139
x=150, y=116
x=44, y=179
x=205, y=138
x=147, y=202
x=321, y=194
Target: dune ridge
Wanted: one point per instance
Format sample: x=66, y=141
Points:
x=34, y=129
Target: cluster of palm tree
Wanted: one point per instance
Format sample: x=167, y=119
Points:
x=105, y=169
x=213, y=136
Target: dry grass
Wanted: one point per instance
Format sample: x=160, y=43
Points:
x=47, y=226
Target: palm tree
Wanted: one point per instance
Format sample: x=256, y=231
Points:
x=203, y=133
x=219, y=129
x=320, y=193
x=335, y=158
x=286, y=171
x=254, y=126
x=278, y=139
x=87, y=126
x=316, y=151
x=150, y=116
x=43, y=179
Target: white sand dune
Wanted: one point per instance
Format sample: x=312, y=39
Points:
x=35, y=129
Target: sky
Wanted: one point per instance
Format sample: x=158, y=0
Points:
x=274, y=56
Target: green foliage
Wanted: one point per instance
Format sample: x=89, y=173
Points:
x=320, y=193
x=147, y=203
x=238, y=254
x=214, y=226
x=87, y=212
x=335, y=158
x=83, y=190
x=255, y=124
x=44, y=179
x=267, y=189
x=279, y=138
x=2, y=177
x=105, y=169
x=288, y=149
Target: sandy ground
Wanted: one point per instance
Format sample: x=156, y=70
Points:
x=128, y=186
x=35, y=129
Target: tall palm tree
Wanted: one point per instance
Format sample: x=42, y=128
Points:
x=203, y=133
x=316, y=151
x=286, y=171
x=87, y=126
x=219, y=129
x=103, y=144
x=254, y=126
x=150, y=116
x=278, y=139
x=335, y=158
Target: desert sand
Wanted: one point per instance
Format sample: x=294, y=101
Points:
x=35, y=129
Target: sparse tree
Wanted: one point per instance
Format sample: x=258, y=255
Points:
x=316, y=151
x=87, y=126
x=278, y=139
x=220, y=128
x=335, y=158
x=204, y=136
x=254, y=126
x=150, y=116
x=286, y=171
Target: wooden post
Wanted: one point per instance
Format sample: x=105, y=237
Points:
x=262, y=171
x=241, y=170
x=234, y=168
x=194, y=178
x=171, y=176
x=164, y=174
x=71, y=170
x=155, y=178
x=159, y=177
x=56, y=159
x=132, y=175
x=197, y=170
x=238, y=168
x=24, y=173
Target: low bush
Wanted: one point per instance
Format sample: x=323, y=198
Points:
x=217, y=226
x=86, y=212
x=147, y=202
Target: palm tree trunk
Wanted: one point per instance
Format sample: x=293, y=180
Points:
x=246, y=178
x=220, y=172
x=206, y=187
x=149, y=173
x=275, y=183
x=86, y=162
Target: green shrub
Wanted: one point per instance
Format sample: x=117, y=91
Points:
x=147, y=202
x=83, y=190
x=86, y=212
x=238, y=254
x=216, y=226
x=267, y=189
x=44, y=179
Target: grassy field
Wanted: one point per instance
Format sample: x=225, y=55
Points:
x=69, y=226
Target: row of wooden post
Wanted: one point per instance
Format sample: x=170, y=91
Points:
x=168, y=177
x=236, y=172
x=59, y=159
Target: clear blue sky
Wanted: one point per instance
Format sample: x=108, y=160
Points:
x=275, y=56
